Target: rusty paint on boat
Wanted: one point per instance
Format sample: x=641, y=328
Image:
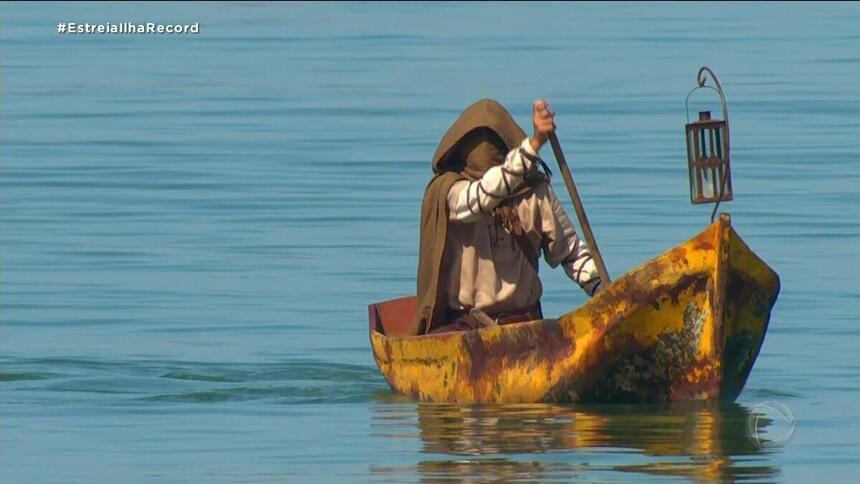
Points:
x=687, y=325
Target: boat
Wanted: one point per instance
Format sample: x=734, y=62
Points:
x=686, y=325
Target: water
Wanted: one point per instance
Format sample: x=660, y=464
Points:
x=191, y=228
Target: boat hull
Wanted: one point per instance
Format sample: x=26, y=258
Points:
x=686, y=325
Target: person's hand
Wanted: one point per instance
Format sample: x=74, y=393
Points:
x=543, y=119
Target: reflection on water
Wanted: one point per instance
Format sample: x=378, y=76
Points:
x=697, y=441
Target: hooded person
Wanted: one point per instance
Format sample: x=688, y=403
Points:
x=487, y=215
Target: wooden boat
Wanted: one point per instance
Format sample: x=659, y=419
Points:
x=686, y=325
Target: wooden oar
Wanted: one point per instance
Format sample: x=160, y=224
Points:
x=580, y=212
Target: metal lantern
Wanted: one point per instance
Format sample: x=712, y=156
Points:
x=708, y=150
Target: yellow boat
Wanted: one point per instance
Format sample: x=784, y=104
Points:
x=686, y=325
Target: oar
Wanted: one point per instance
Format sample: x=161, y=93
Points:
x=580, y=212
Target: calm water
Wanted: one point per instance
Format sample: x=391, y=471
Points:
x=191, y=228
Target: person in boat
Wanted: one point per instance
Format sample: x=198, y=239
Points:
x=486, y=217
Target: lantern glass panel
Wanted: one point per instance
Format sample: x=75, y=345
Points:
x=707, y=162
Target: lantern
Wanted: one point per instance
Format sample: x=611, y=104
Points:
x=708, y=150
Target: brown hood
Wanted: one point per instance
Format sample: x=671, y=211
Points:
x=486, y=113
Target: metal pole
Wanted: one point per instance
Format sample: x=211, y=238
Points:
x=580, y=212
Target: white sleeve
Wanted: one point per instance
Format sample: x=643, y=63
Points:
x=582, y=270
x=563, y=246
x=468, y=200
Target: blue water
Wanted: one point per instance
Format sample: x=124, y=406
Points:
x=191, y=228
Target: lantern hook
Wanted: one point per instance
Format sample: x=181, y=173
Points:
x=701, y=80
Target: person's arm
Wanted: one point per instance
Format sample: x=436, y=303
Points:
x=468, y=200
x=562, y=246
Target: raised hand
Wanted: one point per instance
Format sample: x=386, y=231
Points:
x=543, y=120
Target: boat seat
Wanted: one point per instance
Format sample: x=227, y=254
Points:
x=393, y=317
